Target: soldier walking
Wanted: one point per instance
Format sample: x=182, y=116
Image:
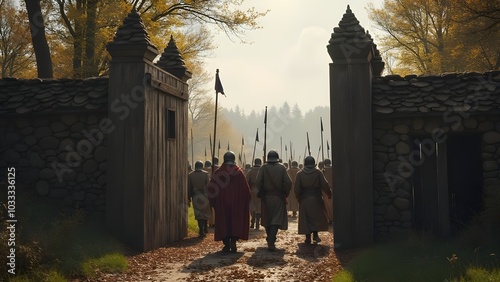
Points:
x=197, y=182
x=309, y=185
x=255, y=205
x=229, y=195
x=274, y=185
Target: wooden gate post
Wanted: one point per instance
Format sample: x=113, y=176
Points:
x=131, y=53
x=351, y=51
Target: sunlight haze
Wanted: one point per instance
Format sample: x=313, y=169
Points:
x=287, y=60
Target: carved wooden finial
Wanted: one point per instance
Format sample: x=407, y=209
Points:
x=172, y=62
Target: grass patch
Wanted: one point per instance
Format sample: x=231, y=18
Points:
x=343, y=276
x=42, y=275
x=423, y=260
x=479, y=274
x=53, y=244
x=192, y=222
x=110, y=263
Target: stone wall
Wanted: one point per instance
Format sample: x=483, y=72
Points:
x=51, y=132
x=392, y=145
x=435, y=107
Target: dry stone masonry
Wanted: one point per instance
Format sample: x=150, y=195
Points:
x=440, y=106
x=50, y=132
x=398, y=163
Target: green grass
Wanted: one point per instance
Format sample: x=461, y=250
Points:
x=192, y=222
x=53, y=245
x=343, y=276
x=423, y=260
x=110, y=263
x=42, y=275
x=479, y=274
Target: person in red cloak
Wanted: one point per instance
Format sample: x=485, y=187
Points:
x=229, y=195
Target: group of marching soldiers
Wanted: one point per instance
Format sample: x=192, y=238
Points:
x=235, y=199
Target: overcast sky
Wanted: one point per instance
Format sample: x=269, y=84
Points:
x=287, y=60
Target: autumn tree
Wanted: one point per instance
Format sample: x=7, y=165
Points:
x=478, y=34
x=38, y=39
x=435, y=36
x=16, y=54
x=91, y=25
x=415, y=32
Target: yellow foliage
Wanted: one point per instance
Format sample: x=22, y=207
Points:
x=439, y=36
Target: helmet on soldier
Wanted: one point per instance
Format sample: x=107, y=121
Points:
x=208, y=164
x=273, y=157
x=198, y=165
x=229, y=158
x=309, y=162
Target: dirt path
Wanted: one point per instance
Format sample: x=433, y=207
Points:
x=196, y=259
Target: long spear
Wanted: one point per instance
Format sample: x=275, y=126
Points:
x=327, y=149
x=308, y=145
x=281, y=146
x=210, y=139
x=322, y=151
x=265, y=133
x=254, y=145
x=319, y=150
x=241, y=151
x=286, y=154
x=218, y=150
x=218, y=89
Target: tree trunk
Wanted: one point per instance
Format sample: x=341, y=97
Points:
x=77, y=43
x=37, y=27
x=89, y=65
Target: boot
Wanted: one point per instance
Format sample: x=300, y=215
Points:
x=294, y=214
x=252, y=222
x=205, y=226
x=201, y=233
x=233, y=244
x=271, y=238
x=316, y=237
x=227, y=246
x=257, y=221
x=308, y=239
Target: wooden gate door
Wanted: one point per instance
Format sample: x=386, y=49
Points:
x=465, y=179
x=430, y=187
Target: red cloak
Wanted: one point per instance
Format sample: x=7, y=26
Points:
x=229, y=195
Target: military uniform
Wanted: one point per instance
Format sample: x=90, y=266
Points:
x=197, y=181
x=255, y=202
x=309, y=186
x=274, y=185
